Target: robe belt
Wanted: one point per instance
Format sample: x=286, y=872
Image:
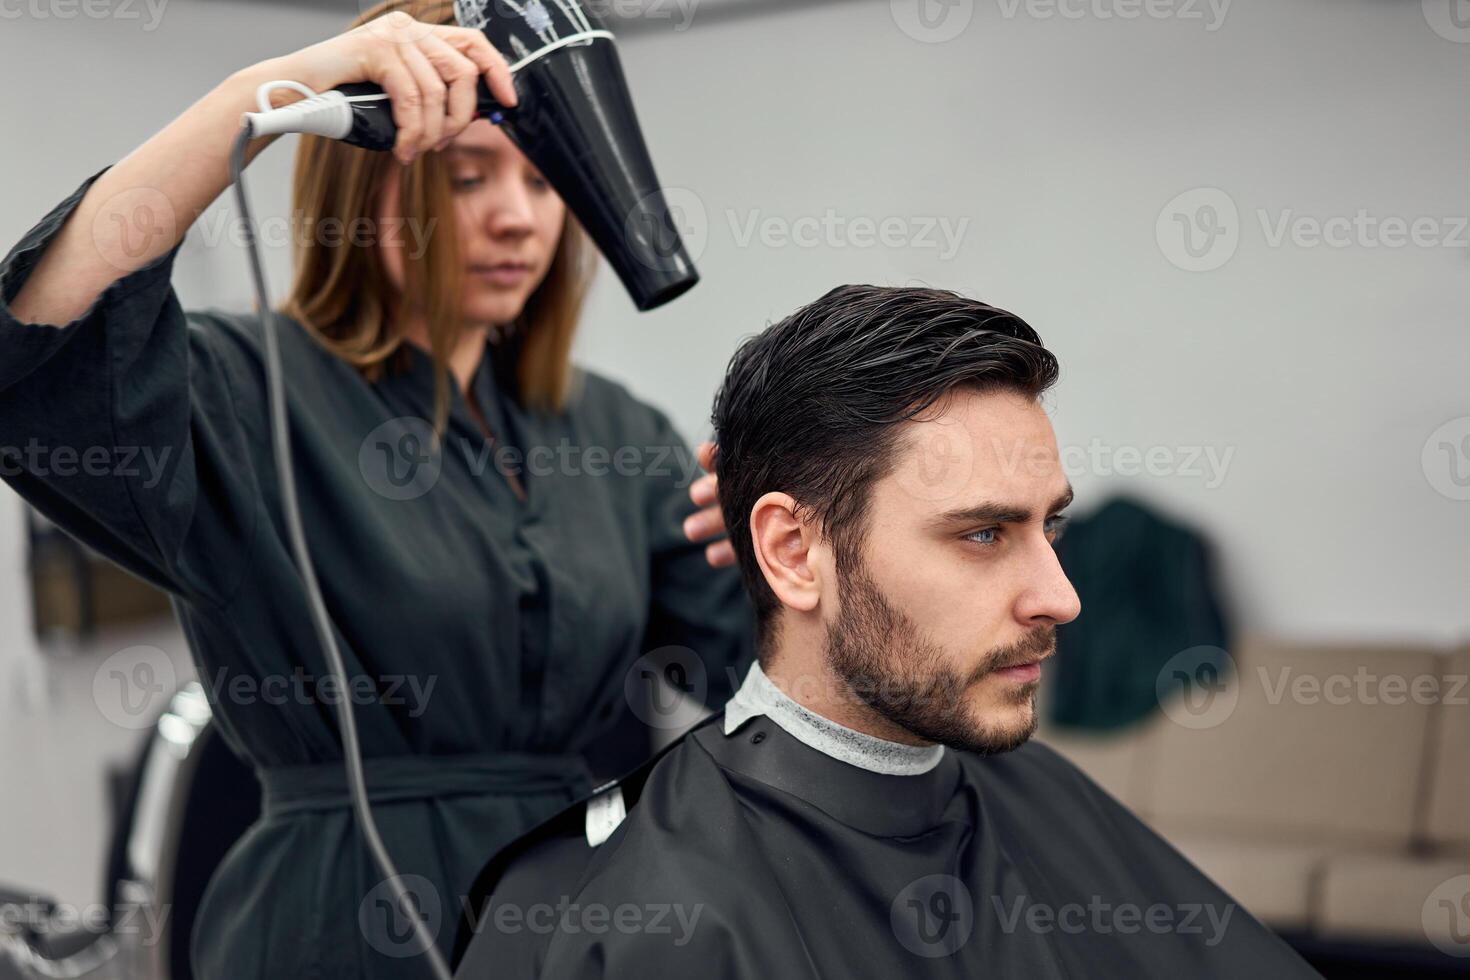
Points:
x=395, y=778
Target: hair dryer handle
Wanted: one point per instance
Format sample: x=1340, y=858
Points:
x=373, y=127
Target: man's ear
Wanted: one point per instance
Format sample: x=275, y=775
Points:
x=788, y=551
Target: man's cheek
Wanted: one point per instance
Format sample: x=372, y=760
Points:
x=954, y=602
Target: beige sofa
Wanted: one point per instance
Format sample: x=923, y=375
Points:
x=1326, y=788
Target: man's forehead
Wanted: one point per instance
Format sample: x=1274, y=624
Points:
x=972, y=447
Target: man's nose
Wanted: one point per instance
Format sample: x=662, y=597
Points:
x=1049, y=597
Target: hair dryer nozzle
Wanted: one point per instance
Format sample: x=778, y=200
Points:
x=576, y=123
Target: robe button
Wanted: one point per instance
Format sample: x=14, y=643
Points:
x=757, y=738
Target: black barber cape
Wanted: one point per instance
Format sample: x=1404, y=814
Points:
x=752, y=855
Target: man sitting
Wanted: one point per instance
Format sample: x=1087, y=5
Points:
x=869, y=803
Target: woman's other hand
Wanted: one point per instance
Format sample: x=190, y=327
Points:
x=709, y=522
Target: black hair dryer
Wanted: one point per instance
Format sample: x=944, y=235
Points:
x=575, y=121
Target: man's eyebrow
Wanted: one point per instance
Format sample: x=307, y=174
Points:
x=997, y=513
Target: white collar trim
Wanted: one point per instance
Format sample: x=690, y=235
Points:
x=759, y=695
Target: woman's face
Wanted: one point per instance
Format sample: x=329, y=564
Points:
x=509, y=219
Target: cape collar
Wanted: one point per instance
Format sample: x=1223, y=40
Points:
x=759, y=695
x=756, y=744
x=872, y=802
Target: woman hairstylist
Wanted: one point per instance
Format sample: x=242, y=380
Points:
x=493, y=592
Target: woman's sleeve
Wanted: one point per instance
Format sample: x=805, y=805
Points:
x=694, y=605
x=121, y=426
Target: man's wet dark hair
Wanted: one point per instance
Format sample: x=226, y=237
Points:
x=811, y=405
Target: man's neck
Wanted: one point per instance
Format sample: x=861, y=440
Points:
x=761, y=695
x=824, y=693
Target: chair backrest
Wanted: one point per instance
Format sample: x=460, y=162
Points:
x=221, y=801
x=1447, y=813
x=1309, y=740
x=191, y=799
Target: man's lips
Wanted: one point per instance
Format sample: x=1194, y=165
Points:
x=1021, y=673
x=1024, y=670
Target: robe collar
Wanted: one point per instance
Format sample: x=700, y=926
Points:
x=495, y=382
x=495, y=370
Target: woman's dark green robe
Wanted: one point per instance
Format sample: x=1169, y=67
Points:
x=524, y=614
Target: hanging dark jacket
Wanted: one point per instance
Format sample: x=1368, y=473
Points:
x=1148, y=595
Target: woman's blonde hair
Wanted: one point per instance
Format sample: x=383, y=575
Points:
x=343, y=295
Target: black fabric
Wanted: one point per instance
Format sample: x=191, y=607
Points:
x=547, y=860
x=524, y=614
x=773, y=859
x=1149, y=595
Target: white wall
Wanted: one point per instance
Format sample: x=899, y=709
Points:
x=1054, y=143
x=1323, y=370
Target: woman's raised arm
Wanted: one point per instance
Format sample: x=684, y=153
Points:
x=142, y=206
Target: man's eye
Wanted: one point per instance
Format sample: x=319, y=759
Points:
x=466, y=183
x=980, y=536
x=539, y=183
x=1056, y=527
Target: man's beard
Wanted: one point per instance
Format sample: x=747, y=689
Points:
x=882, y=656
